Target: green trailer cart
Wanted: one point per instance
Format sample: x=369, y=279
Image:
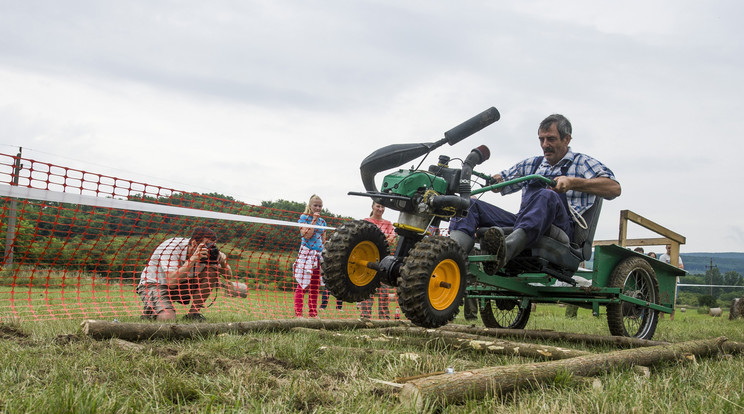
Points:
x=632, y=287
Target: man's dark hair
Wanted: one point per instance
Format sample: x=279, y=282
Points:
x=201, y=233
x=563, y=124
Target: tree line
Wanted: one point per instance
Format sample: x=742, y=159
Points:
x=711, y=296
x=113, y=241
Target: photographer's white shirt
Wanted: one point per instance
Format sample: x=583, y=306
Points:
x=167, y=257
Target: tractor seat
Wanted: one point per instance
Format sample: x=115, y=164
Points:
x=555, y=250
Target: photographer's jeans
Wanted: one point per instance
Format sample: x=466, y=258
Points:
x=157, y=298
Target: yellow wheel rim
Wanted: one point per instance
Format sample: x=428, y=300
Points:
x=444, y=284
x=359, y=273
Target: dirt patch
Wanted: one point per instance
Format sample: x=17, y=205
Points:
x=273, y=365
x=66, y=339
x=11, y=332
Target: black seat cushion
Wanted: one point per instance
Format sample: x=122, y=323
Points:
x=570, y=255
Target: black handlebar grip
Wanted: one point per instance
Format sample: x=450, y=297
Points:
x=472, y=125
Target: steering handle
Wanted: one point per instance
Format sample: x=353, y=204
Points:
x=547, y=180
x=472, y=125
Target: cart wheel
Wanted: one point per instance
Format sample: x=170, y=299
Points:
x=432, y=282
x=345, y=259
x=638, y=280
x=505, y=313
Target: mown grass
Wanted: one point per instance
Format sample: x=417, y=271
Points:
x=49, y=368
x=46, y=293
x=115, y=301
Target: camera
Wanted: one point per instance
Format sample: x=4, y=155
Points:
x=213, y=253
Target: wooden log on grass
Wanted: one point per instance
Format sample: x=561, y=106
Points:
x=453, y=340
x=361, y=352
x=362, y=336
x=484, y=344
x=153, y=330
x=127, y=346
x=478, y=383
x=617, y=341
x=733, y=348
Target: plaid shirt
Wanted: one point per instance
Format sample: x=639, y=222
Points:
x=578, y=165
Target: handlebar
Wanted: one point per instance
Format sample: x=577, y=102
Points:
x=472, y=125
x=489, y=179
x=546, y=180
x=396, y=155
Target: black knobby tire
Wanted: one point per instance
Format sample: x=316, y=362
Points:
x=505, y=313
x=432, y=282
x=345, y=272
x=637, y=279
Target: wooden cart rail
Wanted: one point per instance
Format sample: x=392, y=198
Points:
x=668, y=236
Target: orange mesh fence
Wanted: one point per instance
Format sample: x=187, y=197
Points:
x=76, y=243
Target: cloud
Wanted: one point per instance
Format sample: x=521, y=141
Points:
x=267, y=100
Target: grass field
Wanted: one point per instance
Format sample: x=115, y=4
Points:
x=109, y=301
x=50, y=368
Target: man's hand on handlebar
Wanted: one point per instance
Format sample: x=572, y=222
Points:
x=495, y=179
x=562, y=184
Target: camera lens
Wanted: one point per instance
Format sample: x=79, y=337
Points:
x=213, y=253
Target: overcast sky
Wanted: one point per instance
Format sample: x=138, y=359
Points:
x=267, y=100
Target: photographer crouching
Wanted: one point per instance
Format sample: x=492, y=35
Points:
x=182, y=270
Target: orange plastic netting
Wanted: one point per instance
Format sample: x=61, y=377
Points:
x=76, y=242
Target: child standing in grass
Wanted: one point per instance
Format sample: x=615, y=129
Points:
x=307, y=266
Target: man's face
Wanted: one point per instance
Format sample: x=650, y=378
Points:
x=554, y=148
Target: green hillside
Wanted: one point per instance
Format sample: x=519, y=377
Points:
x=698, y=263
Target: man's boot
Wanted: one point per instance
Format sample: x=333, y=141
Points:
x=462, y=238
x=503, y=248
x=515, y=243
x=493, y=243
